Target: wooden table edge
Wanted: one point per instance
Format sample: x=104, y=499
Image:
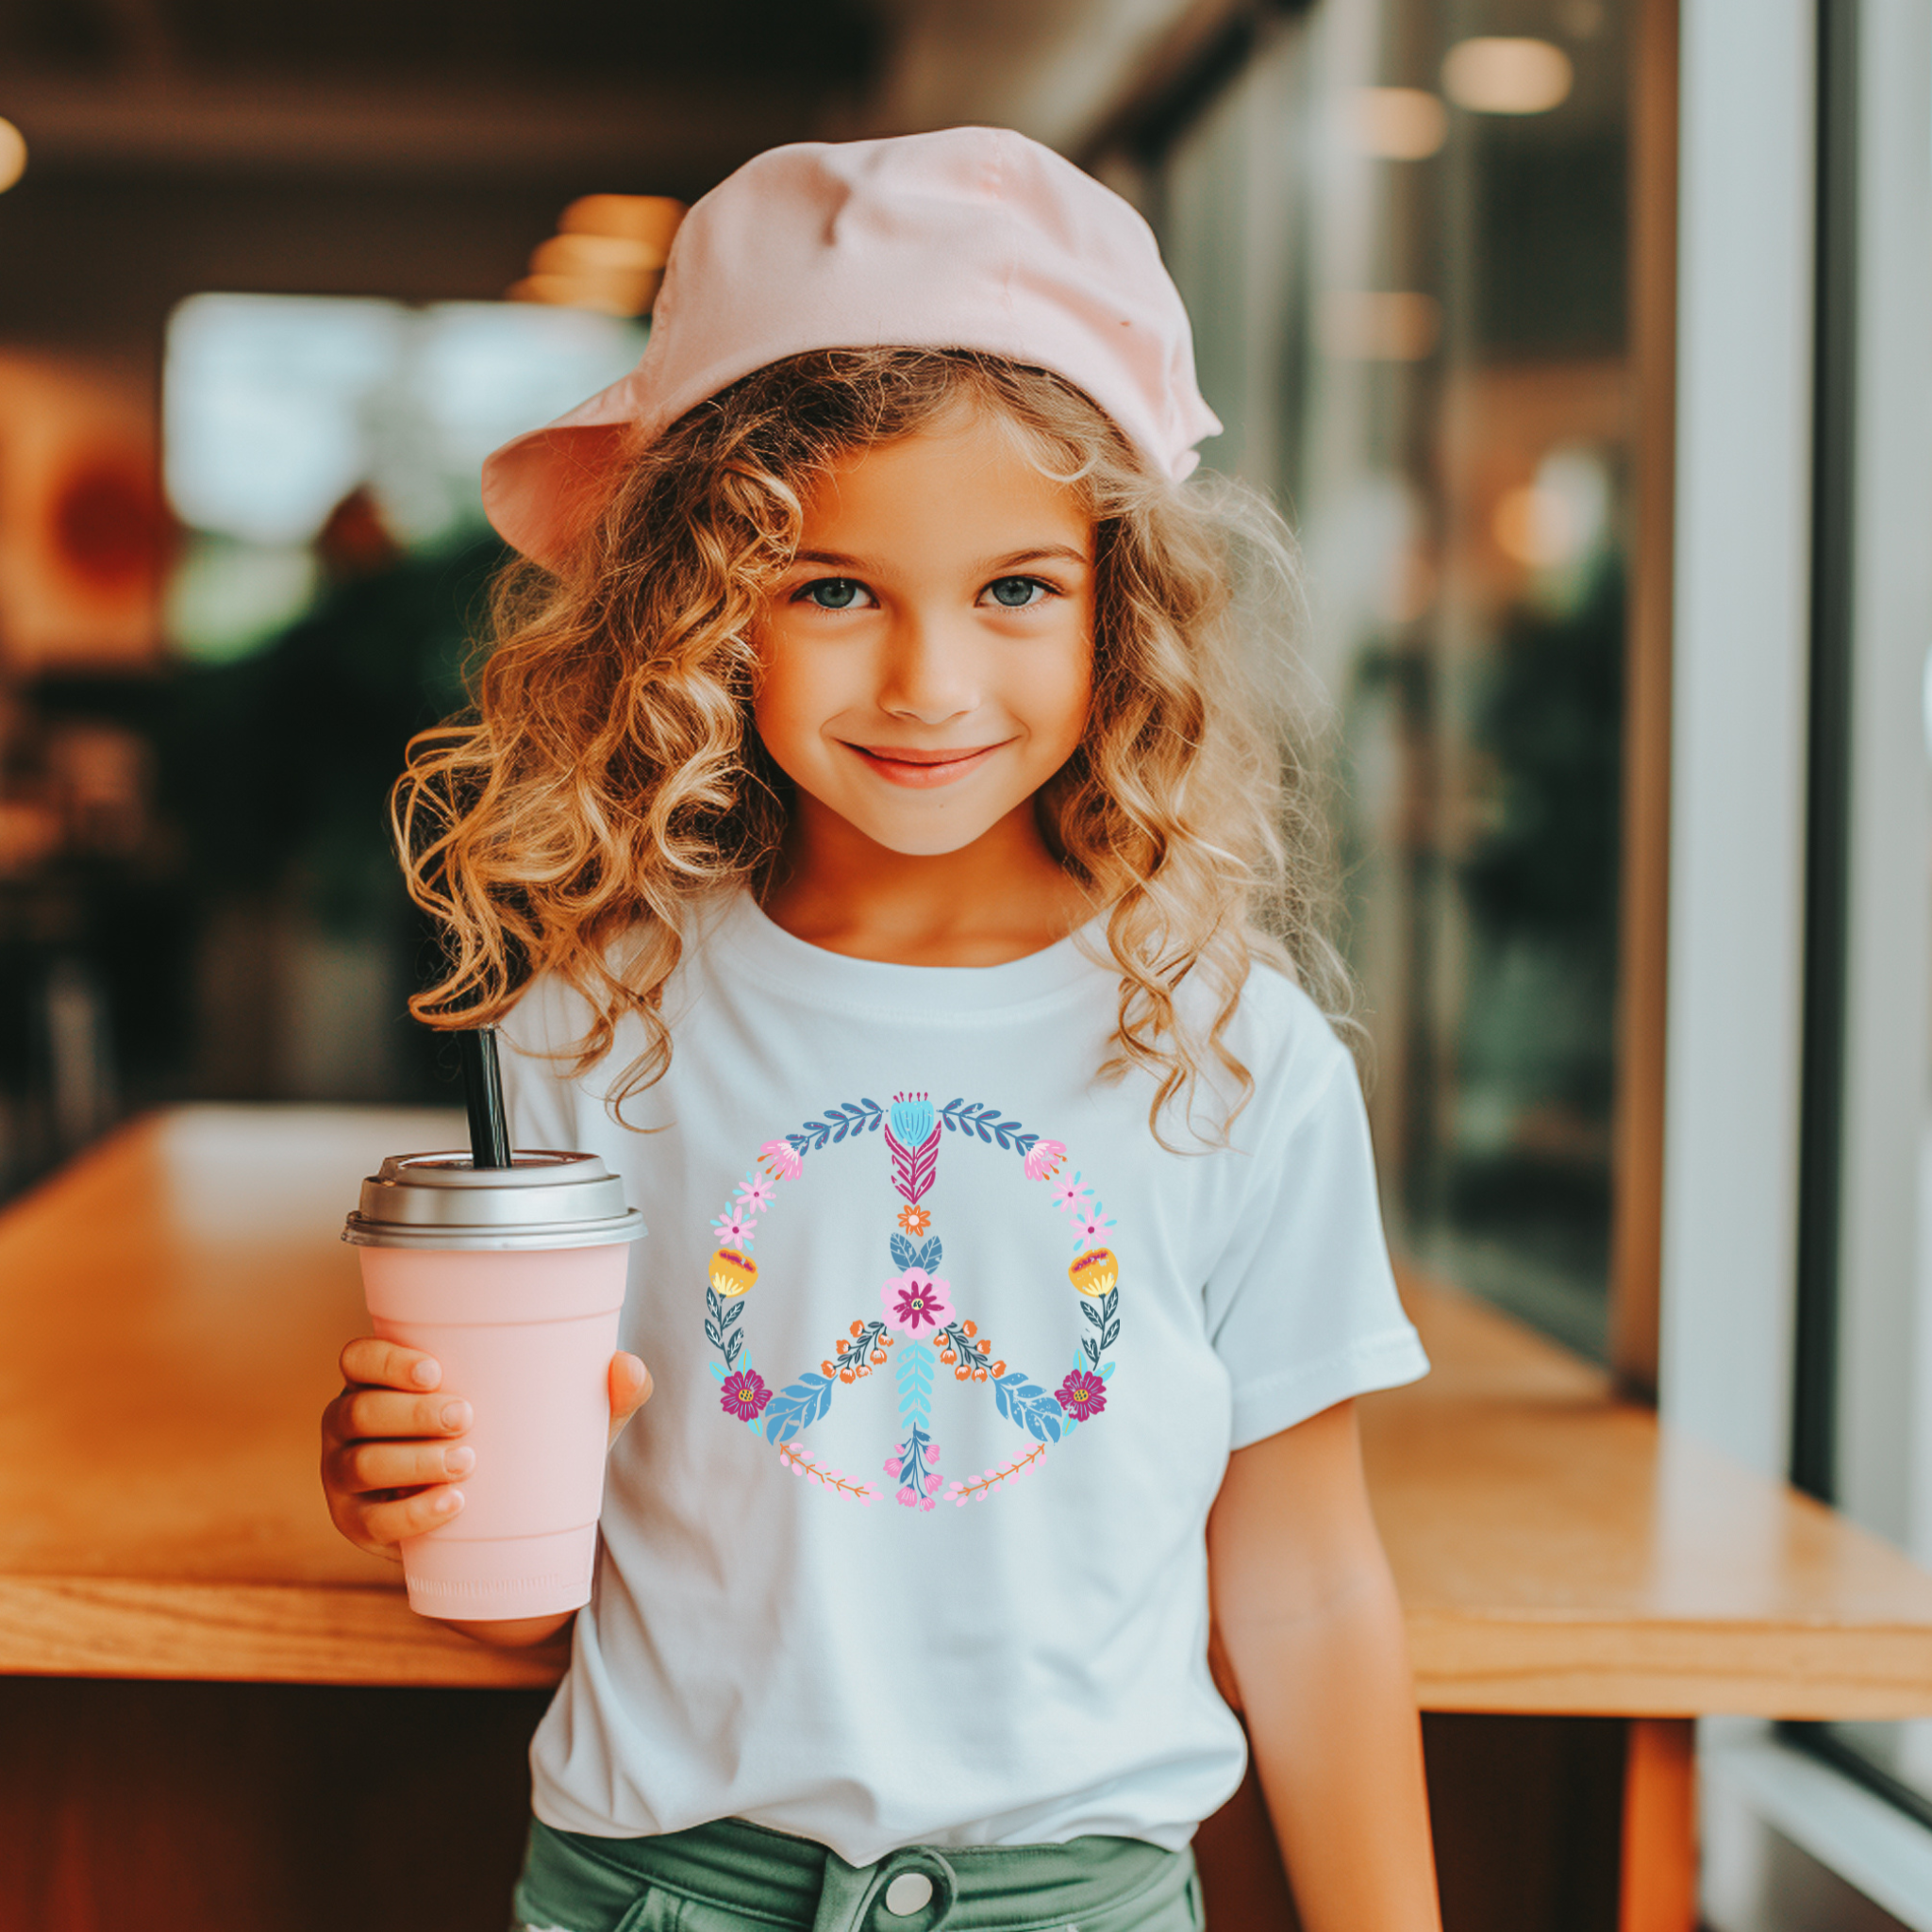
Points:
x=1668, y=1666
x=1509, y=1662
x=268, y=1633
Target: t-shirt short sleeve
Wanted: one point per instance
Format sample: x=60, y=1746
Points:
x=1301, y=1304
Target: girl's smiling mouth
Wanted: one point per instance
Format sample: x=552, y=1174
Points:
x=905, y=765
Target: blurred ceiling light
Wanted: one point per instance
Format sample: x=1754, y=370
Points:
x=606, y=291
x=13, y=155
x=1499, y=76
x=652, y=218
x=1373, y=326
x=1398, y=123
x=609, y=254
x=572, y=254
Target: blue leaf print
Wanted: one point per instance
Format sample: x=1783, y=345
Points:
x=1029, y=1405
x=927, y=1256
x=904, y=1253
x=856, y=1117
x=975, y=1117
x=797, y=1407
x=915, y=1381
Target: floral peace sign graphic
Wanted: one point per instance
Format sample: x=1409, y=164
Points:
x=915, y=1327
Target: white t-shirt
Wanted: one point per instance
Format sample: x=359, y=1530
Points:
x=853, y=1596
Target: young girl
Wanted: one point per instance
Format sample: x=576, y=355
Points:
x=863, y=836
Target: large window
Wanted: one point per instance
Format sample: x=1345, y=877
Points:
x=1402, y=232
x=280, y=410
x=1863, y=1423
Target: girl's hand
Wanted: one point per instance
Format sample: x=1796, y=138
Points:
x=393, y=1452
x=391, y=1447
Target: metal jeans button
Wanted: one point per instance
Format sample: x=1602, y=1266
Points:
x=907, y=1894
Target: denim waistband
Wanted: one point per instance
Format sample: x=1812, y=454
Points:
x=785, y=1881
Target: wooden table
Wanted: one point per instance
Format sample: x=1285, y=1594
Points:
x=170, y=1307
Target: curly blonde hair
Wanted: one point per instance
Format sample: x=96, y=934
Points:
x=608, y=775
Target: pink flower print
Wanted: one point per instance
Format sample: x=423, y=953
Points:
x=734, y=1229
x=745, y=1395
x=915, y=1302
x=1089, y=1227
x=780, y=1160
x=1071, y=1196
x=754, y=1194
x=1044, y=1160
x=1081, y=1395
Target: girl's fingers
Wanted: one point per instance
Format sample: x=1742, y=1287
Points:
x=388, y=1365
x=360, y=1415
x=389, y=1523
x=363, y=1467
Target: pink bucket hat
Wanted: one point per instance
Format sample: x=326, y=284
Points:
x=973, y=238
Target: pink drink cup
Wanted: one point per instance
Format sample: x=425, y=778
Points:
x=527, y=1340
x=512, y=1277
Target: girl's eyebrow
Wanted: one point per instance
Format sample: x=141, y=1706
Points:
x=839, y=559
x=1065, y=552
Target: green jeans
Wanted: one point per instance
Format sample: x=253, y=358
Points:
x=732, y=1876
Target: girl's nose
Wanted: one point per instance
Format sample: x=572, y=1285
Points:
x=928, y=672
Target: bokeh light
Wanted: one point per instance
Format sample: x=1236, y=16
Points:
x=607, y=255
x=1494, y=75
x=1398, y=123
x=13, y=155
x=1378, y=324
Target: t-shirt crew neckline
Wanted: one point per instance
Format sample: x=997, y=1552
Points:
x=747, y=939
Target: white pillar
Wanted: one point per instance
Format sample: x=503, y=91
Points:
x=1747, y=194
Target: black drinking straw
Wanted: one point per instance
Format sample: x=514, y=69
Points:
x=483, y=1091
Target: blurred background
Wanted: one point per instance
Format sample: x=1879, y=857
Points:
x=254, y=342
x=1616, y=558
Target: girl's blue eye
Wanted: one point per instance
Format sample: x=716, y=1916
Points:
x=1015, y=593
x=834, y=594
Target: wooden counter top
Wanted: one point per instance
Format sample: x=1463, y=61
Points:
x=1557, y=1551
x=170, y=1307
